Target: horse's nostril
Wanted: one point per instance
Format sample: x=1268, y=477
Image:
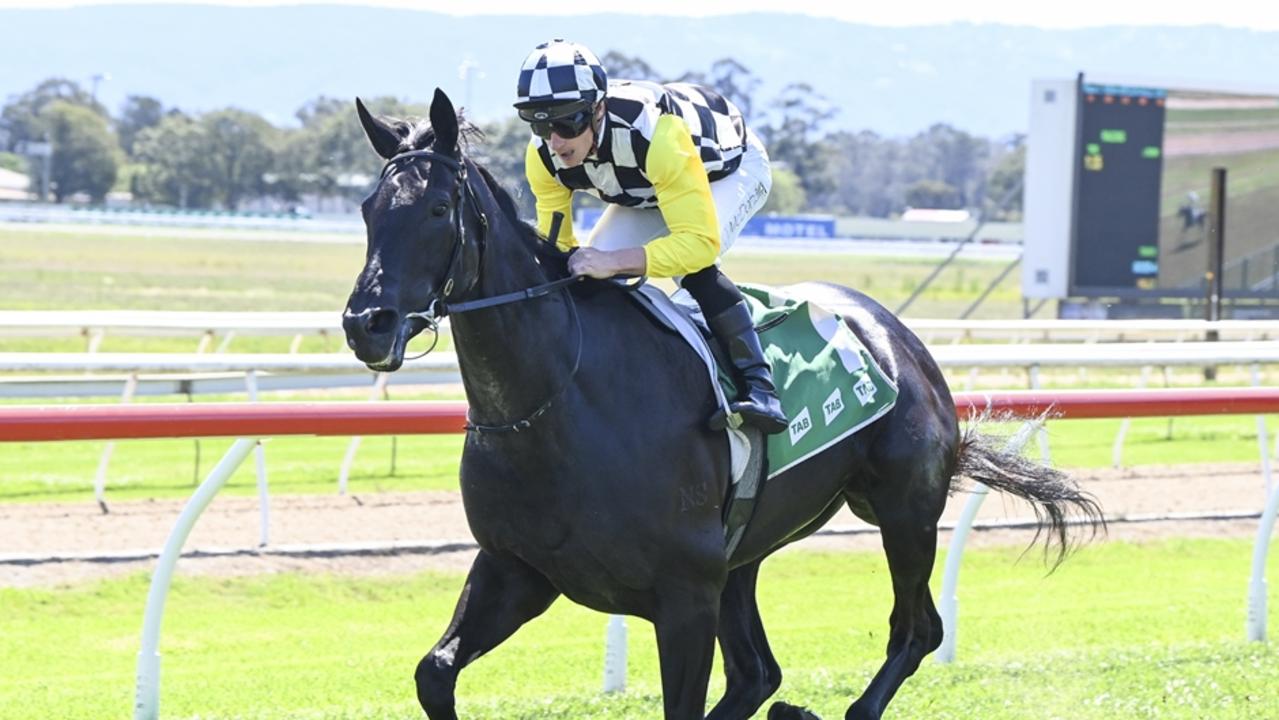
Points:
x=383, y=321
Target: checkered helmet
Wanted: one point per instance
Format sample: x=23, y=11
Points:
x=560, y=72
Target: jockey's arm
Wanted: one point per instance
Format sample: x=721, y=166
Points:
x=684, y=198
x=551, y=197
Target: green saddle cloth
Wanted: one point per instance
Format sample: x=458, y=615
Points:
x=829, y=384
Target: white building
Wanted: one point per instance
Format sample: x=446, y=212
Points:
x=14, y=186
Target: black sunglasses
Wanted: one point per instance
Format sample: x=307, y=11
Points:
x=567, y=126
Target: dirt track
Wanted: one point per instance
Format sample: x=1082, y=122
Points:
x=231, y=525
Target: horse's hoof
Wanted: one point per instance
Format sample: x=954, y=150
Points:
x=785, y=711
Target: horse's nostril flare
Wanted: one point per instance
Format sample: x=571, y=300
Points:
x=382, y=321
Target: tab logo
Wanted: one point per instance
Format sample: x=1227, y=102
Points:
x=865, y=390
x=833, y=406
x=800, y=426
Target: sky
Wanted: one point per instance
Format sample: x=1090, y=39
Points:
x=1251, y=14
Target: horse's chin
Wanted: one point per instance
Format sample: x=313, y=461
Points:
x=390, y=364
x=395, y=357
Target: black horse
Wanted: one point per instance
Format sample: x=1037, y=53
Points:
x=589, y=471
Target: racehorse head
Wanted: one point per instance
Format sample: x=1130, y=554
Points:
x=422, y=232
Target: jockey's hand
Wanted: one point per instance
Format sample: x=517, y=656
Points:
x=603, y=264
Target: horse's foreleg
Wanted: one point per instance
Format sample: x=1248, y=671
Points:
x=685, y=625
x=915, y=627
x=500, y=595
x=750, y=671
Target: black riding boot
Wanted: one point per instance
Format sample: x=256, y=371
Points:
x=757, y=401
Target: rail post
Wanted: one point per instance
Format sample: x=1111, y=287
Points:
x=1257, y=584
x=344, y=475
x=146, y=705
x=259, y=453
x=100, y=478
x=949, y=609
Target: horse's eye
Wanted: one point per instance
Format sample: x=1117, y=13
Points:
x=440, y=210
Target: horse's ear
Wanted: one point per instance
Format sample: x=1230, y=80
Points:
x=385, y=135
x=444, y=123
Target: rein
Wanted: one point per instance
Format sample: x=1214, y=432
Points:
x=439, y=308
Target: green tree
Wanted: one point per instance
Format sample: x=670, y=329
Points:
x=329, y=155
x=883, y=182
x=291, y=175
x=1004, y=186
x=947, y=155
x=315, y=157
x=85, y=153
x=787, y=195
x=863, y=170
x=11, y=161
x=22, y=119
x=627, y=67
x=934, y=194
x=502, y=152
x=321, y=108
x=176, y=170
x=138, y=113
x=730, y=79
x=240, y=147
x=793, y=133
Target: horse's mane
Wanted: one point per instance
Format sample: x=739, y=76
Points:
x=554, y=259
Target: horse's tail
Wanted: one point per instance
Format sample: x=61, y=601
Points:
x=1056, y=498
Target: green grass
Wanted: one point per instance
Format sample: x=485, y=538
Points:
x=120, y=343
x=1121, y=630
x=1145, y=631
x=44, y=270
x=141, y=469
x=1158, y=441
x=890, y=280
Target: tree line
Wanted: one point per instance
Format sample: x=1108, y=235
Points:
x=163, y=156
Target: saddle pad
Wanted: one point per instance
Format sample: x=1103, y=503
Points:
x=829, y=384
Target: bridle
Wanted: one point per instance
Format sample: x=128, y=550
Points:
x=462, y=192
x=439, y=306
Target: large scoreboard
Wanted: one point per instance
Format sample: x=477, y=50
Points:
x=1118, y=188
x=1120, y=165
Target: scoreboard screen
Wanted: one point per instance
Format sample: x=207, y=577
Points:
x=1143, y=161
x=1120, y=160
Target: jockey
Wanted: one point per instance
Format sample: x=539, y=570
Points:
x=681, y=175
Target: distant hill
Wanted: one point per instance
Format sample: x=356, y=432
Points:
x=895, y=81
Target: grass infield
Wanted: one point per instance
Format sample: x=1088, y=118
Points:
x=1121, y=630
